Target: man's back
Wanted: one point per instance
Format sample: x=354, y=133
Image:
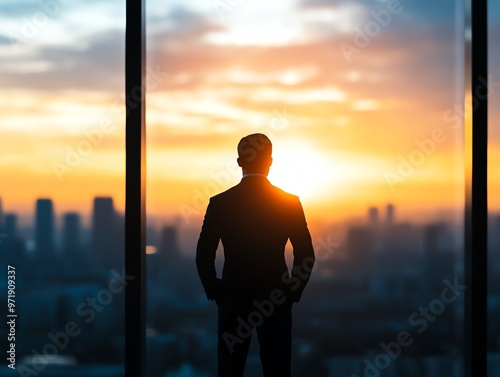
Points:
x=254, y=221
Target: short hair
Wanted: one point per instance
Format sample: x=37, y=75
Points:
x=254, y=150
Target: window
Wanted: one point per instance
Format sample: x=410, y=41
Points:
x=364, y=103
x=62, y=187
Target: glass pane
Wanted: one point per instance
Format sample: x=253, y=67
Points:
x=493, y=189
x=363, y=102
x=62, y=187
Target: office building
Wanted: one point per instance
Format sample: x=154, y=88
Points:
x=373, y=216
x=104, y=234
x=71, y=233
x=44, y=228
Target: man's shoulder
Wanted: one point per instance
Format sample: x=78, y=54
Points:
x=285, y=195
x=223, y=194
x=278, y=194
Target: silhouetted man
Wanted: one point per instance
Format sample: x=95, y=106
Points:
x=254, y=221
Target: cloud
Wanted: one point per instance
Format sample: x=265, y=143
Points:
x=181, y=25
x=4, y=40
x=96, y=63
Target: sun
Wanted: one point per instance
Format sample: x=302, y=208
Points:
x=301, y=170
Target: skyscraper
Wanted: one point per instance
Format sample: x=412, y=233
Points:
x=167, y=255
x=359, y=245
x=168, y=243
x=11, y=245
x=373, y=216
x=44, y=228
x=10, y=225
x=71, y=237
x=390, y=214
x=439, y=257
x=105, y=242
x=433, y=236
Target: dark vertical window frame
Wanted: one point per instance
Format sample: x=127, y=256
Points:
x=476, y=211
x=135, y=215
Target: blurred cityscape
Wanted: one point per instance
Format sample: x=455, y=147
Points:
x=386, y=299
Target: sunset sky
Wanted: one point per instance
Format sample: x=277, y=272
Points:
x=347, y=115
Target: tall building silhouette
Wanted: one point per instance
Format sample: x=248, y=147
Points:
x=390, y=214
x=433, y=238
x=105, y=236
x=71, y=233
x=359, y=245
x=439, y=257
x=44, y=228
x=373, y=216
x=10, y=225
x=167, y=255
x=168, y=243
x=12, y=245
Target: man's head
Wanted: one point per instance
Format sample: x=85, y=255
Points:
x=255, y=154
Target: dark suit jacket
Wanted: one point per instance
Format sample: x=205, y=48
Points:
x=254, y=221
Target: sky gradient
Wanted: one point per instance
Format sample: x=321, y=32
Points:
x=355, y=120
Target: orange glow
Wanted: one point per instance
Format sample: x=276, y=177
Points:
x=150, y=249
x=343, y=132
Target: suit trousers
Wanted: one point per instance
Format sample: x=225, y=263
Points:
x=273, y=324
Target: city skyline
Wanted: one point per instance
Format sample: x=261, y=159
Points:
x=379, y=265
x=68, y=230
x=373, y=213
x=391, y=266
x=191, y=214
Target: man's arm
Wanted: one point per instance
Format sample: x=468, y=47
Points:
x=205, y=253
x=303, y=252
